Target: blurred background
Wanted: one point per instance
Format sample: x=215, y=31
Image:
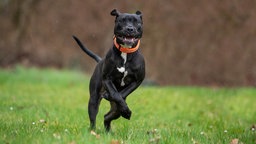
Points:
x=202, y=43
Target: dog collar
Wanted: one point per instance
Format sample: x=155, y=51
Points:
x=124, y=49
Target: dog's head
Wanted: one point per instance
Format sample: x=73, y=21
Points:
x=128, y=28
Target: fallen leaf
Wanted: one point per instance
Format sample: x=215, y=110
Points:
x=42, y=121
x=73, y=142
x=95, y=134
x=114, y=142
x=234, y=141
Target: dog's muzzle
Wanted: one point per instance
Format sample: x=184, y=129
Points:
x=128, y=41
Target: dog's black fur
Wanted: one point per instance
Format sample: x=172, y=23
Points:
x=107, y=77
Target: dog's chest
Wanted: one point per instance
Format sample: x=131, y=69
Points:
x=123, y=69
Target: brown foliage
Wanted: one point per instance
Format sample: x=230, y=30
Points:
x=185, y=42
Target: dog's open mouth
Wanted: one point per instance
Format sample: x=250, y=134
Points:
x=127, y=41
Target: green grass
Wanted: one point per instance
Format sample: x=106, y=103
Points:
x=50, y=106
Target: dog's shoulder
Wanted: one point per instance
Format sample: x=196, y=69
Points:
x=139, y=57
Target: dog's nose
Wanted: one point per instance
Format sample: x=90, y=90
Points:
x=129, y=29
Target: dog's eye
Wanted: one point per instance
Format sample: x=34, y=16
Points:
x=139, y=28
x=123, y=20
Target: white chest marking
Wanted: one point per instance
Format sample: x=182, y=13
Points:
x=125, y=74
x=122, y=69
x=124, y=56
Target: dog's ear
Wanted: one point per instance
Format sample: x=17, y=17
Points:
x=115, y=12
x=139, y=14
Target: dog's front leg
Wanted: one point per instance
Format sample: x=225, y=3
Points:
x=129, y=89
x=115, y=96
x=113, y=93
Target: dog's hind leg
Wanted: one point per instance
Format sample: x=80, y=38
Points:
x=93, y=107
x=113, y=114
x=95, y=97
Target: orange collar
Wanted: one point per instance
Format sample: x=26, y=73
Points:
x=124, y=49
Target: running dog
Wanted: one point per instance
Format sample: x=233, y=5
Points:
x=120, y=72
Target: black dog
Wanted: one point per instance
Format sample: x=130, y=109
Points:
x=120, y=72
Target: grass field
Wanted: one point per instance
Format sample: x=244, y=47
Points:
x=50, y=106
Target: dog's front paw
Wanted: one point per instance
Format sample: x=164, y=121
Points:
x=126, y=112
x=106, y=96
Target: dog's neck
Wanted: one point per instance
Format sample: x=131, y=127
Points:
x=126, y=49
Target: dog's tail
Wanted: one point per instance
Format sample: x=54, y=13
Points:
x=87, y=51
